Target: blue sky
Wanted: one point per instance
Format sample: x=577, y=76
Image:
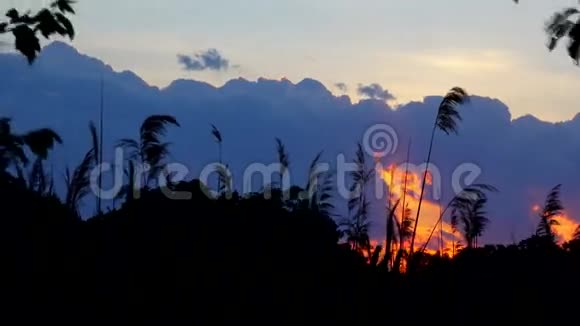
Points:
x=412, y=48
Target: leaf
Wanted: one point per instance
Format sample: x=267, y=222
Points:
x=13, y=15
x=574, y=45
x=559, y=26
x=27, y=19
x=68, y=26
x=47, y=24
x=26, y=42
x=64, y=6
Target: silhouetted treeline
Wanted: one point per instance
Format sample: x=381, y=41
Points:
x=236, y=257
x=162, y=261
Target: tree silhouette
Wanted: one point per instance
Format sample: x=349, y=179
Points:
x=446, y=120
x=149, y=151
x=50, y=21
x=169, y=257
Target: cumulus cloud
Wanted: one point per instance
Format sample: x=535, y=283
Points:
x=522, y=157
x=375, y=92
x=210, y=59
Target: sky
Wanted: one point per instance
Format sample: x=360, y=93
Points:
x=412, y=48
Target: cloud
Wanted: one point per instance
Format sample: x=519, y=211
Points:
x=375, y=92
x=522, y=157
x=341, y=87
x=210, y=59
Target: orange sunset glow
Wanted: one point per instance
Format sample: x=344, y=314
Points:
x=564, y=229
x=409, y=192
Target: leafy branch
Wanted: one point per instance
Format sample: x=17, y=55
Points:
x=48, y=22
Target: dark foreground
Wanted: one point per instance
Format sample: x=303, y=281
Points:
x=201, y=261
